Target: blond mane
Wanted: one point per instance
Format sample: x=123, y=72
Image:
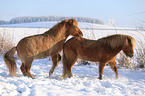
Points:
x=116, y=40
x=133, y=41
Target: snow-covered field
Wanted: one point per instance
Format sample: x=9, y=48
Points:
x=83, y=83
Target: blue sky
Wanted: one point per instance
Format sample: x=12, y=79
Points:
x=125, y=13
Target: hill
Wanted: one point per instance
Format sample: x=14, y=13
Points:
x=49, y=18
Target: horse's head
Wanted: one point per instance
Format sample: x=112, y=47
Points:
x=73, y=29
x=128, y=46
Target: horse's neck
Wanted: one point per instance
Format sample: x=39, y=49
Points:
x=117, y=50
x=61, y=35
x=58, y=35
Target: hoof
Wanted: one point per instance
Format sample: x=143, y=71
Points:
x=50, y=74
x=99, y=78
x=117, y=77
x=32, y=77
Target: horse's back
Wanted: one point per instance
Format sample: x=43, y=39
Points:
x=84, y=48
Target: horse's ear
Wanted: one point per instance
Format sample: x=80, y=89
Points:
x=65, y=20
x=70, y=21
x=128, y=40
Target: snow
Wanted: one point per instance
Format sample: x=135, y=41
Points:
x=84, y=81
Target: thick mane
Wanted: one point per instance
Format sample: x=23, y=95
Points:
x=133, y=41
x=56, y=28
x=116, y=40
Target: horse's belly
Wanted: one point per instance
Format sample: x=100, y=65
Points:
x=88, y=57
x=42, y=55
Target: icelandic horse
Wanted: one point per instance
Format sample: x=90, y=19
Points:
x=103, y=50
x=50, y=43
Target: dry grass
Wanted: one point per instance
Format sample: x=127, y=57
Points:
x=125, y=62
x=5, y=43
x=140, y=52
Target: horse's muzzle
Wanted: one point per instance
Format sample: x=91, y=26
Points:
x=130, y=55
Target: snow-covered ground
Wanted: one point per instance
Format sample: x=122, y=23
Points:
x=83, y=83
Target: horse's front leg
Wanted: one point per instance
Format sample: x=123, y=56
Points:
x=101, y=70
x=114, y=68
x=55, y=61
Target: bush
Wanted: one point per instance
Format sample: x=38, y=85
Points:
x=125, y=62
x=140, y=51
x=5, y=43
x=140, y=57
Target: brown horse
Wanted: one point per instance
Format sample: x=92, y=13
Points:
x=103, y=51
x=43, y=45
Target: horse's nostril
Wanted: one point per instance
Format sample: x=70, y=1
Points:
x=130, y=55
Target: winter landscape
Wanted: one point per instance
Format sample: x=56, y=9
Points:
x=131, y=81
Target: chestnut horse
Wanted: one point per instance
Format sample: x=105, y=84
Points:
x=43, y=45
x=103, y=50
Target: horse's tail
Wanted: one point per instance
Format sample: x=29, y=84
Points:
x=10, y=61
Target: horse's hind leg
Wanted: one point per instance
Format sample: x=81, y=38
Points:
x=68, y=63
x=69, y=68
x=114, y=68
x=27, y=66
x=23, y=69
x=55, y=60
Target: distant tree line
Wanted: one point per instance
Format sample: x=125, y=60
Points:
x=49, y=18
x=3, y=22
